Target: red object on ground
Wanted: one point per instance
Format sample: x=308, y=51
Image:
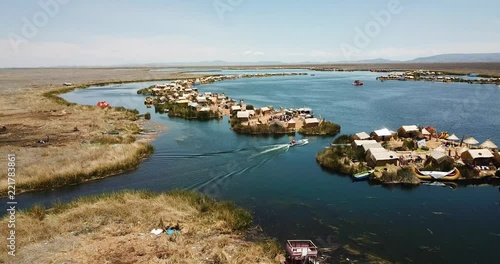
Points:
x=103, y=104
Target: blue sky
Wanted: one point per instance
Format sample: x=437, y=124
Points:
x=78, y=32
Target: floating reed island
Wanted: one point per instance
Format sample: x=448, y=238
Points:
x=413, y=155
x=267, y=121
x=181, y=98
x=432, y=76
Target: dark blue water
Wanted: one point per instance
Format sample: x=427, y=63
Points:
x=292, y=197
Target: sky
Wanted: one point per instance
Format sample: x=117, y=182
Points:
x=38, y=33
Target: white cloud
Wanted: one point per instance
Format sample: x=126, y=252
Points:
x=106, y=51
x=253, y=53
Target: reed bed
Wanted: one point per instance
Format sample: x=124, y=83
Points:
x=115, y=228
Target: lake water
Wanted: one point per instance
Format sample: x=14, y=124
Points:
x=291, y=197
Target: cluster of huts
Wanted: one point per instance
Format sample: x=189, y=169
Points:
x=432, y=147
x=184, y=93
x=291, y=119
x=422, y=75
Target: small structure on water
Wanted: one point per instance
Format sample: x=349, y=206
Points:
x=301, y=252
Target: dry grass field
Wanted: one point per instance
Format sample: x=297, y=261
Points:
x=75, y=149
x=115, y=228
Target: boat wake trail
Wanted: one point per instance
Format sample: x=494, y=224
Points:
x=222, y=174
x=167, y=155
x=272, y=148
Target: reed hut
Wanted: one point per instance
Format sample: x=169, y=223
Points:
x=265, y=110
x=311, y=122
x=377, y=157
x=382, y=134
x=235, y=108
x=488, y=144
x=243, y=115
x=292, y=123
x=359, y=145
x=481, y=157
x=362, y=136
x=426, y=134
x=409, y=131
x=471, y=141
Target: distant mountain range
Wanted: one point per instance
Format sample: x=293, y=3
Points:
x=442, y=58
x=474, y=57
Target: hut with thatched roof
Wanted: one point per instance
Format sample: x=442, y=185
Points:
x=382, y=134
x=425, y=133
x=311, y=122
x=439, y=159
x=471, y=141
x=481, y=157
x=488, y=144
x=363, y=145
x=362, y=136
x=409, y=131
x=376, y=157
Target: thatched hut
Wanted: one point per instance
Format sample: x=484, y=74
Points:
x=311, y=122
x=488, y=144
x=382, y=134
x=363, y=145
x=377, y=157
x=481, y=157
x=362, y=136
x=265, y=110
x=409, y=131
x=426, y=134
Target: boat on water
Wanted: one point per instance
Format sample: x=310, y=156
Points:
x=148, y=101
x=301, y=251
x=299, y=142
x=451, y=175
x=362, y=175
x=312, y=74
x=357, y=83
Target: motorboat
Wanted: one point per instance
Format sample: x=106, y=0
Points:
x=362, y=175
x=357, y=83
x=299, y=142
x=301, y=251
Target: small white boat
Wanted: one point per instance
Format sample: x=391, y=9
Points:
x=299, y=142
